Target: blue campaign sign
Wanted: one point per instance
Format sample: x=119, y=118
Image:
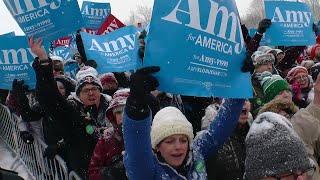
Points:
x=94, y=13
x=292, y=23
x=10, y=34
x=63, y=51
x=113, y=52
x=199, y=48
x=16, y=62
x=47, y=19
x=71, y=68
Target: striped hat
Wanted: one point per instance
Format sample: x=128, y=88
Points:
x=272, y=85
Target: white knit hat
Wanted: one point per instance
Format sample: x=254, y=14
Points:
x=170, y=121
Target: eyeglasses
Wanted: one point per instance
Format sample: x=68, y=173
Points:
x=294, y=175
x=93, y=89
x=301, y=78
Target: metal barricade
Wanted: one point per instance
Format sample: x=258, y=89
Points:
x=31, y=155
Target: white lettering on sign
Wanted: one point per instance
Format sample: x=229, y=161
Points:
x=18, y=7
x=95, y=11
x=126, y=41
x=292, y=17
x=12, y=56
x=195, y=17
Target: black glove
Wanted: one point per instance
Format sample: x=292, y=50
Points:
x=141, y=84
x=27, y=137
x=264, y=24
x=19, y=89
x=51, y=151
x=247, y=65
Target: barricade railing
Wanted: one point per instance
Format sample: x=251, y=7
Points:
x=31, y=155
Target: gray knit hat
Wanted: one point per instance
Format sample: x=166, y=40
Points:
x=273, y=148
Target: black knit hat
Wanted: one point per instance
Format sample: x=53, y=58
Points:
x=273, y=148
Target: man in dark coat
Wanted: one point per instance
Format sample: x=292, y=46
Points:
x=81, y=117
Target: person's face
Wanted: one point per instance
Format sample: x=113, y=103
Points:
x=110, y=85
x=244, y=116
x=118, y=117
x=61, y=88
x=280, y=57
x=286, y=95
x=302, y=79
x=90, y=95
x=174, y=149
x=264, y=67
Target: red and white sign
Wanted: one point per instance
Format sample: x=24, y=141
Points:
x=64, y=41
x=110, y=24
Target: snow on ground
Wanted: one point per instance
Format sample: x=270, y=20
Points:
x=7, y=159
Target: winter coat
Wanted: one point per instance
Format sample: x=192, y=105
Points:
x=142, y=163
x=228, y=163
x=301, y=97
x=306, y=122
x=258, y=96
x=71, y=116
x=106, y=154
x=254, y=43
x=194, y=109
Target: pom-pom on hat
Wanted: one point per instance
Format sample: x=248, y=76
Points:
x=167, y=122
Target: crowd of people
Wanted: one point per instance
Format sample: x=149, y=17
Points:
x=118, y=126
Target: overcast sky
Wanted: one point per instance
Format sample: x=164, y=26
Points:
x=120, y=8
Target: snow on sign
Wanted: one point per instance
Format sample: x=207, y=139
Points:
x=16, y=62
x=47, y=19
x=292, y=23
x=199, y=48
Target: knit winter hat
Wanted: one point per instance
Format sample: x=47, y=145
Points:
x=272, y=85
x=295, y=71
x=264, y=49
x=307, y=64
x=260, y=58
x=87, y=75
x=118, y=101
x=84, y=71
x=107, y=78
x=56, y=58
x=273, y=148
x=170, y=121
x=313, y=51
